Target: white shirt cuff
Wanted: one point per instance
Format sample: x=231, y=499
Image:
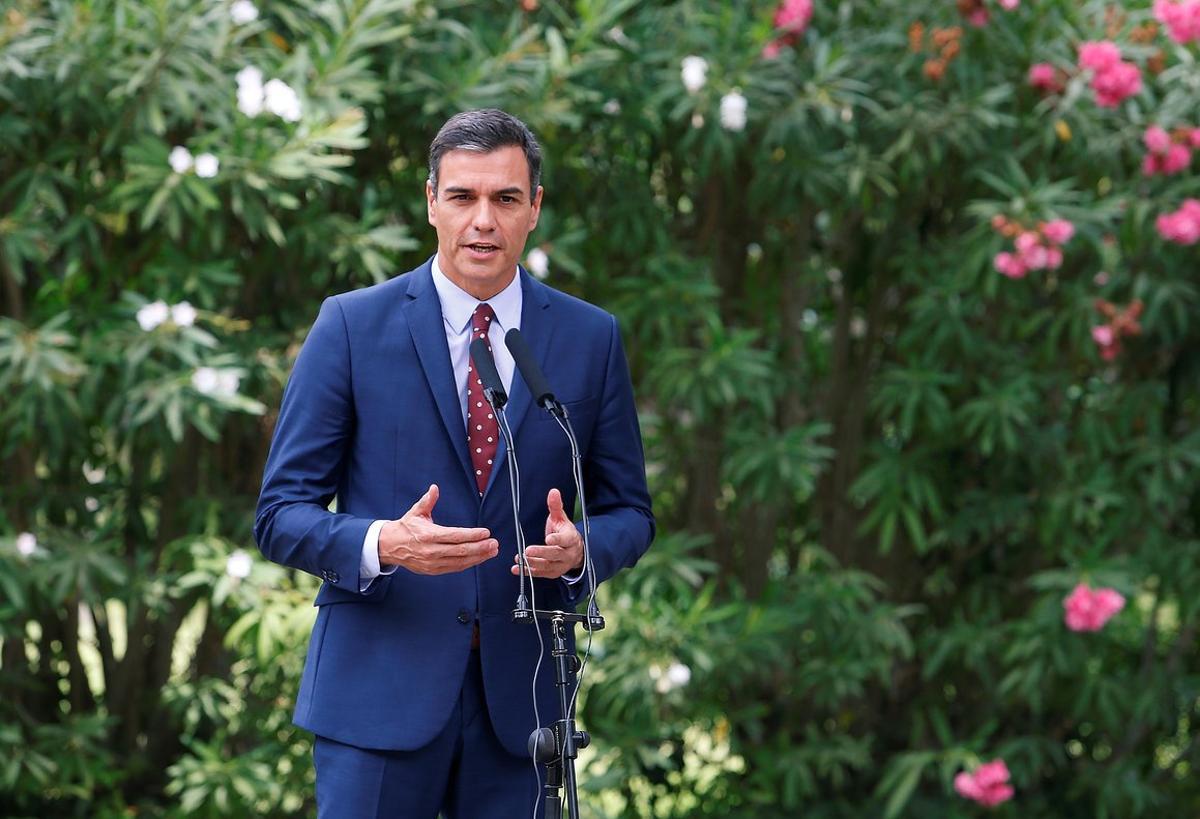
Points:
x=368, y=568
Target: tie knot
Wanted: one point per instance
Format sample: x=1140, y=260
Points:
x=482, y=319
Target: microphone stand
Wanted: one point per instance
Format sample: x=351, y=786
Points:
x=558, y=746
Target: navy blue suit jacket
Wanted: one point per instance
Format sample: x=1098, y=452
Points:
x=370, y=416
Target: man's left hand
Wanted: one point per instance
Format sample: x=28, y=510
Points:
x=563, y=549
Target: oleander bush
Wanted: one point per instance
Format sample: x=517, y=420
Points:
x=910, y=295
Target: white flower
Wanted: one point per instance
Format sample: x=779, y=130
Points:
x=697, y=120
x=91, y=504
x=250, y=91
x=207, y=165
x=206, y=380
x=250, y=77
x=219, y=383
x=180, y=159
x=243, y=11
x=183, y=313
x=694, y=72
x=281, y=99
x=227, y=383
x=679, y=674
x=612, y=107
x=733, y=111
x=250, y=100
x=676, y=675
x=238, y=565
x=93, y=474
x=153, y=314
x=26, y=544
x=538, y=263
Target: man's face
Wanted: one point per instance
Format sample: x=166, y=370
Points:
x=482, y=212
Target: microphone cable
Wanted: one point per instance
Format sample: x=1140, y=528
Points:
x=588, y=566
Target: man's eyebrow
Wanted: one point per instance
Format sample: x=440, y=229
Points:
x=511, y=191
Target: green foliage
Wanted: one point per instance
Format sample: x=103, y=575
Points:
x=878, y=465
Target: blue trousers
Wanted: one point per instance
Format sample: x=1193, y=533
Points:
x=465, y=773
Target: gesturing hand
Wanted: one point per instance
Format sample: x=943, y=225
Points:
x=422, y=546
x=563, y=550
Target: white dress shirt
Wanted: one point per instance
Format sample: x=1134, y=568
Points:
x=457, y=308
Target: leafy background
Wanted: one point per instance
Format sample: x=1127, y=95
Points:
x=878, y=465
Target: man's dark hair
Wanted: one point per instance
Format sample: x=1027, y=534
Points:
x=485, y=130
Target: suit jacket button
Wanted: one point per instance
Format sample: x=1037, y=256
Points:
x=464, y=616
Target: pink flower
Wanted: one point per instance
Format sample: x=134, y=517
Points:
x=1151, y=164
x=1036, y=258
x=1157, y=139
x=987, y=784
x=1177, y=159
x=1116, y=83
x=1088, y=609
x=1010, y=265
x=1054, y=258
x=1027, y=241
x=1181, y=18
x=791, y=19
x=1194, y=138
x=1181, y=226
x=979, y=17
x=792, y=16
x=1104, y=335
x=1099, y=55
x=1042, y=76
x=1058, y=231
x=1009, y=5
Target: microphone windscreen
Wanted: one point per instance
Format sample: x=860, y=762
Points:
x=485, y=367
x=527, y=364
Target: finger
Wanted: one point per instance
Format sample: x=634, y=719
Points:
x=455, y=534
x=460, y=556
x=544, y=553
x=424, y=505
x=487, y=547
x=566, y=539
x=554, y=503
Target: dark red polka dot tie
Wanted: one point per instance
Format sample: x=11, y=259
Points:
x=483, y=433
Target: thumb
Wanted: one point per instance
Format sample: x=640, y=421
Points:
x=554, y=503
x=424, y=505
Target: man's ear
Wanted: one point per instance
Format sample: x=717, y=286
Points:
x=431, y=202
x=537, y=208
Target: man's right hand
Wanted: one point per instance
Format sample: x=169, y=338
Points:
x=421, y=546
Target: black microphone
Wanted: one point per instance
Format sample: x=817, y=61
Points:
x=531, y=372
x=485, y=368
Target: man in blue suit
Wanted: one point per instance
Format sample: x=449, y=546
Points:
x=387, y=479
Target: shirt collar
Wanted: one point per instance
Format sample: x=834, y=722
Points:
x=458, y=305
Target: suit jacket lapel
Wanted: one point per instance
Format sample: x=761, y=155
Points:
x=424, y=313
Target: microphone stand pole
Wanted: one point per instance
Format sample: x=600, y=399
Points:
x=559, y=745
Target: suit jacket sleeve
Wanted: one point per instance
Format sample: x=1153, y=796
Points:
x=614, y=477
x=305, y=467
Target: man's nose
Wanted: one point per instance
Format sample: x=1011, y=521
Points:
x=483, y=217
